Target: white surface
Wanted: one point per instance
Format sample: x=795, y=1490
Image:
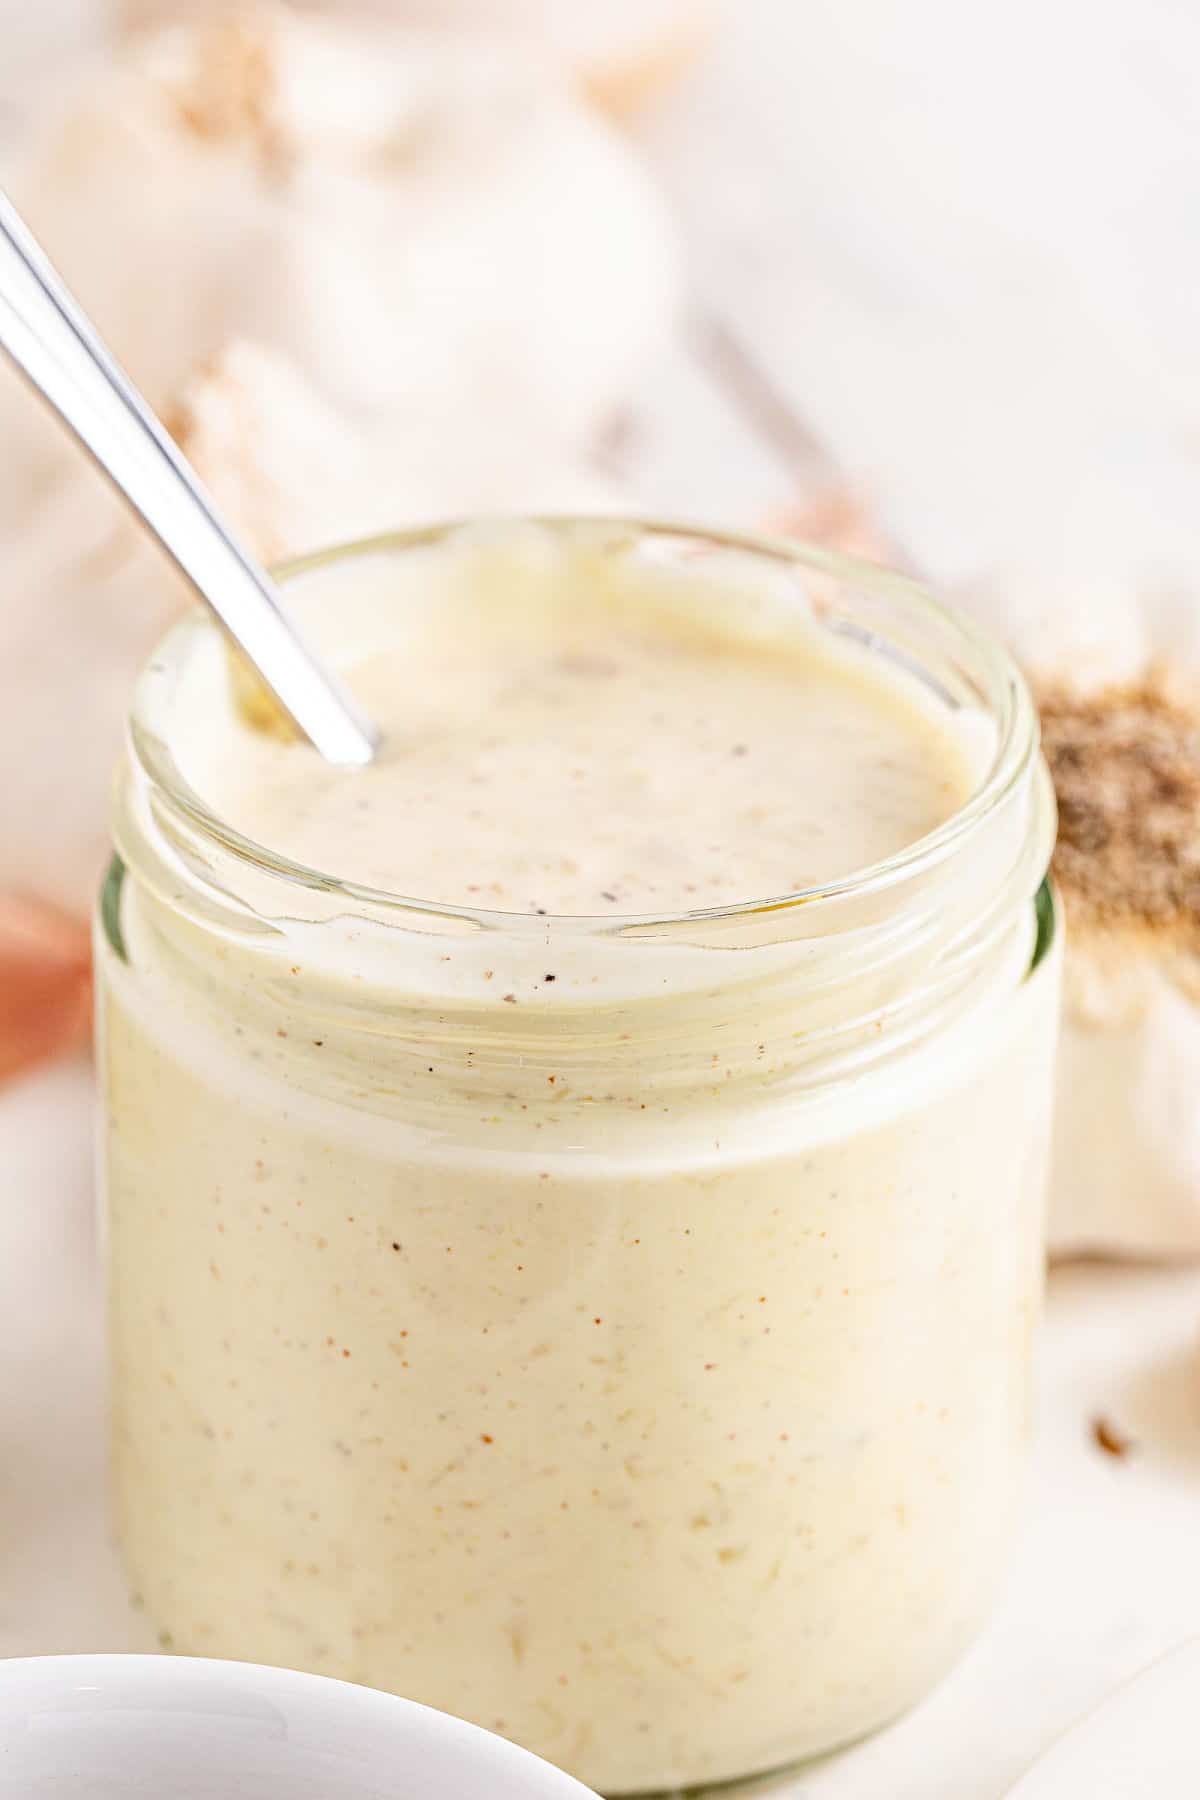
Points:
x=1137, y=1743
x=954, y=235
x=1106, y=1576
x=173, y=1728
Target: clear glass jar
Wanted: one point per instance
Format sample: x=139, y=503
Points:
x=641, y=1370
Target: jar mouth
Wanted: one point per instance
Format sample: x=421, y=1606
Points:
x=982, y=667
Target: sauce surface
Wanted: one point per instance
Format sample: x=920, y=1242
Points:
x=591, y=753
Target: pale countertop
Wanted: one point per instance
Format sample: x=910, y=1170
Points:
x=1106, y=1575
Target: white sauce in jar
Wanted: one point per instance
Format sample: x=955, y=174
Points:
x=591, y=753
x=502, y=1316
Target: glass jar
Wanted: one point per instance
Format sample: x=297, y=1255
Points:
x=635, y=1365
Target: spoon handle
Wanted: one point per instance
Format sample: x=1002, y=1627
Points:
x=55, y=346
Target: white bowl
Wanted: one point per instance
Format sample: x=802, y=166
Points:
x=1139, y=1744
x=179, y=1728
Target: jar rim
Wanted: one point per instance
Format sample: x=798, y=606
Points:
x=1004, y=690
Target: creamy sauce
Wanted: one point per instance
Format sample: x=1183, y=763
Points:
x=523, y=1319
x=578, y=766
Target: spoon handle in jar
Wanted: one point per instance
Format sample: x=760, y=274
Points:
x=56, y=347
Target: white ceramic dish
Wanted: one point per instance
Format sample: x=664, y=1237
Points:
x=178, y=1728
x=1141, y=1744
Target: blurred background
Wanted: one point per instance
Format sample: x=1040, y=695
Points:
x=918, y=281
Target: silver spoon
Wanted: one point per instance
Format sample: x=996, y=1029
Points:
x=54, y=344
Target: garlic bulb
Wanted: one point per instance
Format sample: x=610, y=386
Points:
x=620, y=49
x=1126, y=763
x=437, y=234
x=1116, y=671
x=291, y=471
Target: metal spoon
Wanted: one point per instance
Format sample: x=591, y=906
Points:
x=53, y=343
